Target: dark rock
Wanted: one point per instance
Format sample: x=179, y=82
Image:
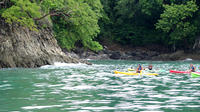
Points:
x=115, y=55
x=133, y=54
x=72, y=54
x=144, y=54
x=129, y=55
x=178, y=55
x=79, y=50
x=99, y=57
x=152, y=53
x=88, y=63
x=136, y=58
x=106, y=51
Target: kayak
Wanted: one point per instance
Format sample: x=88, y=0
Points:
x=130, y=69
x=195, y=74
x=183, y=72
x=131, y=73
x=127, y=73
x=175, y=71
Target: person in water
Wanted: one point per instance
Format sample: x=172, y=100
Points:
x=192, y=68
x=139, y=68
x=150, y=67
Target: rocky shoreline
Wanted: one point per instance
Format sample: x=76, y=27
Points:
x=136, y=54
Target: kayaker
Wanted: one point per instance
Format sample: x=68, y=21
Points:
x=150, y=67
x=139, y=68
x=192, y=68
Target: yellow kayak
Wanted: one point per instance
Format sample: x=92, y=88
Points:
x=130, y=69
x=131, y=73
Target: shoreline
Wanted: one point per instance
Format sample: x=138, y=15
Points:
x=132, y=55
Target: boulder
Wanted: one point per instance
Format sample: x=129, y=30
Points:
x=115, y=55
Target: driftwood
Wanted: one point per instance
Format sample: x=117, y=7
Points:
x=2, y=2
x=197, y=43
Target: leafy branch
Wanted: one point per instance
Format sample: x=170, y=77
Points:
x=55, y=13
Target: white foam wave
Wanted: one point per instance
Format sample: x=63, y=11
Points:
x=67, y=64
x=40, y=107
x=188, y=59
x=81, y=87
x=98, y=108
x=62, y=65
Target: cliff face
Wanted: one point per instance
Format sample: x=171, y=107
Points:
x=20, y=47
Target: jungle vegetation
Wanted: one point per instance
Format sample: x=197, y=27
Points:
x=171, y=23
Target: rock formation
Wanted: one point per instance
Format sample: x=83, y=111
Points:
x=20, y=47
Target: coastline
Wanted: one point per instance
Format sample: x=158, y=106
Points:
x=137, y=54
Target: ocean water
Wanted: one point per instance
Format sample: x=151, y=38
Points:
x=66, y=87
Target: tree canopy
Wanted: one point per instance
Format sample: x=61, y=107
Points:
x=171, y=23
x=143, y=22
x=176, y=21
x=82, y=25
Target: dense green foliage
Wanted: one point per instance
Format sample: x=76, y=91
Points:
x=23, y=12
x=132, y=21
x=82, y=25
x=171, y=23
x=176, y=21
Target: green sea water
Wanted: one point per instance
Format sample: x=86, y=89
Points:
x=95, y=88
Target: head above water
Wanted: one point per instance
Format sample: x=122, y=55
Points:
x=150, y=67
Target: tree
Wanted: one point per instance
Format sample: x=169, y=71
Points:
x=74, y=21
x=28, y=12
x=82, y=26
x=22, y=12
x=176, y=20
